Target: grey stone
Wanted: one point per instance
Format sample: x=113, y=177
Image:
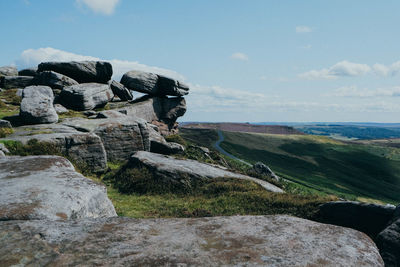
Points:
x=48, y=187
x=158, y=144
x=153, y=84
x=53, y=79
x=82, y=72
x=175, y=171
x=8, y=71
x=85, y=96
x=275, y=240
x=28, y=72
x=121, y=136
x=11, y=82
x=107, y=114
x=5, y=124
x=4, y=148
x=388, y=242
x=121, y=91
x=2, y=155
x=84, y=148
x=60, y=109
x=261, y=168
x=37, y=105
x=140, y=81
x=368, y=218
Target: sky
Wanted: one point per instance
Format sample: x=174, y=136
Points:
x=245, y=61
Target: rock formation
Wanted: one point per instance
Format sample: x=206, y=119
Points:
x=37, y=105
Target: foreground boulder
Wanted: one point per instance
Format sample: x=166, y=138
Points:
x=82, y=71
x=10, y=82
x=8, y=71
x=48, y=187
x=121, y=91
x=86, y=149
x=85, y=96
x=153, y=84
x=182, y=172
x=121, y=136
x=368, y=218
x=53, y=79
x=37, y=105
x=219, y=241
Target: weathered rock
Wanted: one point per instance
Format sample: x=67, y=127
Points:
x=5, y=124
x=60, y=109
x=140, y=81
x=153, y=84
x=169, y=86
x=28, y=72
x=368, y=218
x=158, y=144
x=388, y=242
x=10, y=82
x=3, y=148
x=82, y=72
x=37, y=105
x=156, y=110
x=261, y=168
x=219, y=241
x=121, y=91
x=107, y=114
x=178, y=171
x=85, y=96
x=53, y=79
x=121, y=136
x=2, y=154
x=48, y=187
x=86, y=149
x=8, y=71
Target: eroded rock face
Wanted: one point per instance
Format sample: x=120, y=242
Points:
x=84, y=148
x=368, y=218
x=82, y=71
x=121, y=136
x=28, y=72
x=53, y=79
x=153, y=84
x=10, y=82
x=121, y=91
x=37, y=105
x=388, y=242
x=8, y=71
x=158, y=144
x=5, y=124
x=177, y=171
x=263, y=169
x=85, y=96
x=48, y=187
x=218, y=241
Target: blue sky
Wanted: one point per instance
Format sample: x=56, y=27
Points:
x=250, y=61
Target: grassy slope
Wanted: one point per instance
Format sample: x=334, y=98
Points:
x=351, y=171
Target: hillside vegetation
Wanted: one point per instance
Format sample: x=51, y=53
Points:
x=352, y=171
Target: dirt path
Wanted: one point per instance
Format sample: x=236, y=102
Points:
x=221, y=138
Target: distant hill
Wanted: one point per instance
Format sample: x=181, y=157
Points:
x=244, y=127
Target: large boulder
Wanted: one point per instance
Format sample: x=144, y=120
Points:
x=8, y=71
x=48, y=187
x=37, y=105
x=368, y=218
x=85, y=149
x=53, y=79
x=121, y=91
x=28, y=72
x=388, y=242
x=262, y=169
x=121, y=136
x=153, y=84
x=82, y=72
x=86, y=96
x=275, y=240
x=10, y=82
x=182, y=172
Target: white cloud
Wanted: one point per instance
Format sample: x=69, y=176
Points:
x=240, y=56
x=354, y=91
x=32, y=57
x=303, y=29
x=340, y=69
x=105, y=7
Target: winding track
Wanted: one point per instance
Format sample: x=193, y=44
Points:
x=221, y=150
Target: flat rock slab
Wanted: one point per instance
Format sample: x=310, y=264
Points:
x=171, y=169
x=218, y=241
x=48, y=187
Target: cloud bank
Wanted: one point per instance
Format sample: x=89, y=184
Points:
x=354, y=91
x=105, y=7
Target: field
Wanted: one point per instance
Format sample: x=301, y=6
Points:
x=354, y=171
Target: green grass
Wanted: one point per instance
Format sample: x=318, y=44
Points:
x=9, y=103
x=356, y=172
